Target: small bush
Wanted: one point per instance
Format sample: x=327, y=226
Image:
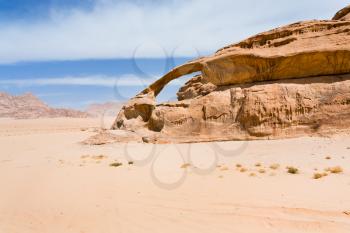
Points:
x=292, y=170
x=99, y=157
x=274, y=166
x=238, y=165
x=116, y=164
x=243, y=169
x=261, y=170
x=328, y=157
x=131, y=162
x=258, y=165
x=318, y=176
x=185, y=165
x=334, y=170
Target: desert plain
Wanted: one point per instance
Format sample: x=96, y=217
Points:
x=51, y=182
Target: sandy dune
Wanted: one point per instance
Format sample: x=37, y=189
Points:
x=52, y=183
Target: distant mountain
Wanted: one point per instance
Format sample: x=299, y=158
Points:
x=104, y=109
x=29, y=106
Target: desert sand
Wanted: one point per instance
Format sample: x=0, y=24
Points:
x=50, y=182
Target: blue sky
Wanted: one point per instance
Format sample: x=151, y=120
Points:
x=74, y=52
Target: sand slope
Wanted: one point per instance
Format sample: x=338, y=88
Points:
x=51, y=183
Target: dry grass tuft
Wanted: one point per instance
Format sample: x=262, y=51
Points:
x=238, y=165
x=261, y=171
x=224, y=168
x=243, y=169
x=292, y=170
x=115, y=164
x=99, y=157
x=318, y=176
x=334, y=170
x=274, y=166
x=185, y=165
x=328, y=157
x=258, y=165
x=252, y=174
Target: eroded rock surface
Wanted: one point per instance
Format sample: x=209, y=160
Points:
x=289, y=81
x=264, y=110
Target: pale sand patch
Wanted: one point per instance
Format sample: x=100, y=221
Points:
x=44, y=188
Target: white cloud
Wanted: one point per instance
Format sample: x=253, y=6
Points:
x=95, y=80
x=183, y=28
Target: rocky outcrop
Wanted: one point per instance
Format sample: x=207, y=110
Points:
x=285, y=82
x=29, y=106
x=265, y=110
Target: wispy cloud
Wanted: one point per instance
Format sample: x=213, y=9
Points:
x=113, y=29
x=96, y=80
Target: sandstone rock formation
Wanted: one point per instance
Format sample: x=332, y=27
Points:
x=285, y=82
x=29, y=106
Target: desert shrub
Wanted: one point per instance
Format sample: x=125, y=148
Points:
x=292, y=170
x=274, y=166
x=243, y=169
x=318, y=176
x=335, y=170
x=115, y=164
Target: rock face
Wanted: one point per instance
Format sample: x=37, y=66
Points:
x=29, y=106
x=264, y=110
x=285, y=82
